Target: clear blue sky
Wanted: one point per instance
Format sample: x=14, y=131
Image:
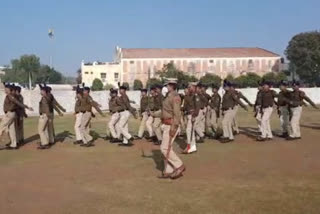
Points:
x=90, y=30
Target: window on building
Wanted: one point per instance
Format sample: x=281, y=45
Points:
x=86, y=72
x=250, y=65
x=131, y=62
x=103, y=76
x=116, y=77
x=91, y=72
x=211, y=61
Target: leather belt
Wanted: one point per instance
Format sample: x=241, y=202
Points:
x=167, y=121
x=226, y=109
x=267, y=106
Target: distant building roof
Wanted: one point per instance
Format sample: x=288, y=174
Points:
x=196, y=52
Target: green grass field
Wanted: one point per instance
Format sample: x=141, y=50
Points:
x=238, y=178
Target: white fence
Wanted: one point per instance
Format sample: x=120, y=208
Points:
x=67, y=97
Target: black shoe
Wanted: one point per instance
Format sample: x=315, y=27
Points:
x=77, y=142
x=11, y=148
x=262, y=139
x=87, y=145
x=293, y=138
x=126, y=144
x=201, y=140
x=226, y=140
x=157, y=143
x=284, y=135
x=42, y=147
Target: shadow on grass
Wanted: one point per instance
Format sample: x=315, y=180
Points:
x=312, y=126
x=63, y=135
x=250, y=132
x=157, y=158
x=30, y=139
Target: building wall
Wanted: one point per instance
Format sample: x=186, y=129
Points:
x=108, y=73
x=139, y=68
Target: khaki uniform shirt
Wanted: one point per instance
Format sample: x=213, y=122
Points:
x=44, y=105
x=267, y=98
x=297, y=98
x=115, y=105
x=284, y=98
x=144, y=104
x=215, y=101
x=11, y=103
x=258, y=98
x=171, y=108
x=229, y=100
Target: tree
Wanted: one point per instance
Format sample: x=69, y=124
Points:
x=30, y=65
x=137, y=85
x=230, y=77
x=209, y=79
x=153, y=81
x=274, y=77
x=170, y=71
x=79, y=76
x=304, y=54
x=250, y=80
x=126, y=85
x=97, y=85
x=108, y=86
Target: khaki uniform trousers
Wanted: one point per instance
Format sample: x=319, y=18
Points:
x=77, y=126
x=266, y=131
x=197, y=124
x=183, y=123
x=295, y=122
x=43, y=129
x=143, y=122
x=258, y=117
x=149, y=126
x=213, y=124
x=172, y=161
x=85, y=126
x=227, y=124
x=284, y=119
x=203, y=120
x=235, y=126
x=112, y=125
x=156, y=125
x=191, y=133
x=208, y=120
x=7, y=125
x=122, y=126
x=19, y=127
x=51, y=128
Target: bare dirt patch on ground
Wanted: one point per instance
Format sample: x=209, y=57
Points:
x=241, y=177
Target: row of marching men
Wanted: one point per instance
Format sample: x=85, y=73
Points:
x=201, y=112
x=14, y=109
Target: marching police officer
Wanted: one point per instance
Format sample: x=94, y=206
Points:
x=267, y=102
x=10, y=106
x=122, y=125
x=283, y=108
x=235, y=125
x=229, y=101
x=156, y=114
x=86, y=104
x=78, y=115
x=54, y=105
x=257, y=106
x=297, y=98
x=115, y=108
x=215, y=103
x=45, y=112
x=21, y=113
x=171, y=116
x=144, y=105
x=150, y=111
x=191, y=109
x=202, y=113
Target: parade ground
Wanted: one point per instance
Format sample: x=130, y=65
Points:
x=237, y=178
